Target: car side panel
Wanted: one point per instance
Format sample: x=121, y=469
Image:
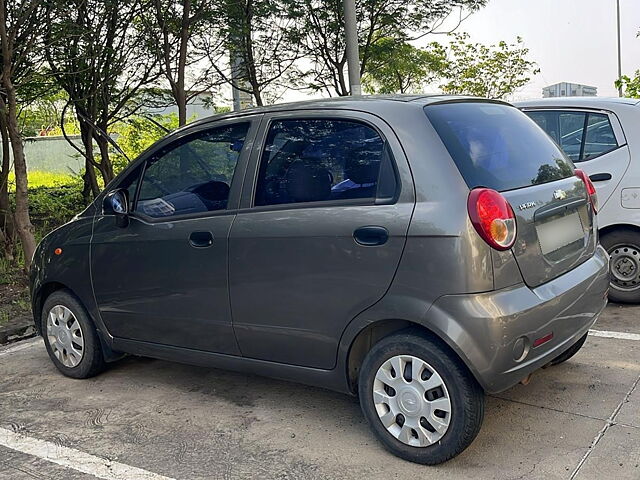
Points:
x=69, y=269
x=297, y=276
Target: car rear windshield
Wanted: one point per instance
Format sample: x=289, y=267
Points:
x=497, y=146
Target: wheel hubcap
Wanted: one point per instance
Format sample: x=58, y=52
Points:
x=625, y=267
x=412, y=401
x=65, y=336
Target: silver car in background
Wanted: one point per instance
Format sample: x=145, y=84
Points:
x=602, y=137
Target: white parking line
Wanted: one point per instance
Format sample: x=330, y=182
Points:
x=619, y=335
x=75, y=459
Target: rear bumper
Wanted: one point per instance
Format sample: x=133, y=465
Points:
x=495, y=332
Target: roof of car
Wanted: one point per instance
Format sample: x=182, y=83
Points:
x=361, y=102
x=586, y=102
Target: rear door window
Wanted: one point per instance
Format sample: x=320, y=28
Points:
x=318, y=159
x=571, y=133
x=497, y=146
x=581, y=135
x=599, y=138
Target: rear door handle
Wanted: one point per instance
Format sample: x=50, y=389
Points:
x=201, y=239
x=371, y=236
x=600, y=177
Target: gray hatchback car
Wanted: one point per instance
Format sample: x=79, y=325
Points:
x=416, y=251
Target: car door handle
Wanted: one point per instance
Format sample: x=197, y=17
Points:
x=371, y=236
x=600, y=177
x=201, y=239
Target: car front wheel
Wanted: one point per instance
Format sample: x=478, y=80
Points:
x=70, y=337
x=419, y=399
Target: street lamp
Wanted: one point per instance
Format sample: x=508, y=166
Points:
x=619, y=55
x=351, y=43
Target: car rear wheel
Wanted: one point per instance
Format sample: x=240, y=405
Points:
x=623, y=247
x=575, y=348
x=70, y=337
x=419, y=399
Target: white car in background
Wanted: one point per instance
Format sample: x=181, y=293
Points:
x=602, y=137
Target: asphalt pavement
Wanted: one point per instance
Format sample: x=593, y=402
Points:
x=147, y=419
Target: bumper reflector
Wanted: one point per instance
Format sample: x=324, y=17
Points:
x=541, y=340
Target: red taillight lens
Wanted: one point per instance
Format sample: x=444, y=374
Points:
x=591, y=190
x=492, y=217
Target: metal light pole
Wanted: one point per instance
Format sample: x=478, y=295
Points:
x=351, y=41
x=619, y=54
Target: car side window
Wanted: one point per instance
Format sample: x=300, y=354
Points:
x=312, y=160
x=571, y=130
x=599, y=138
x=581, y=135
x=130, y=184
x=193, y=174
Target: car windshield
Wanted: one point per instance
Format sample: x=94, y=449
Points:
x=497, y=146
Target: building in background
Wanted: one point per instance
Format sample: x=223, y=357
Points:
x=566, y=89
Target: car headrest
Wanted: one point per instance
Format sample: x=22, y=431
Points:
x=362, y=166
x=306, y=182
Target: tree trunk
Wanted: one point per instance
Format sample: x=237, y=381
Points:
x=106, y=169
x=22, y=219
x=91, y=187
x=6, y=216
x=181, y=100
x=181, y=94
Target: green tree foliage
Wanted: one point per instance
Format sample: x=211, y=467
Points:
x=137, y=133
x=175, y=33
x=42, y=115
x=630, y=86
x=257, y=48
x=321, y=27
x=491, y=71
x=399, y=67
x=97, y=57
x=549, y=173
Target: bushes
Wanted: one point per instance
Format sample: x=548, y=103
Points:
x=54, y=199
x=55, y=203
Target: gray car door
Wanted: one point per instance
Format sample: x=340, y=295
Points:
x=325, y=210
x=163, y=278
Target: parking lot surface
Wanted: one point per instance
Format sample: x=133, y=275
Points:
x=149, y=419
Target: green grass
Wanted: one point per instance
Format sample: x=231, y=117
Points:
x=38, y=178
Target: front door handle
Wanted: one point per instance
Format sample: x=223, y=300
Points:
x=201, y=239
x=371, y=236
x=600, y=177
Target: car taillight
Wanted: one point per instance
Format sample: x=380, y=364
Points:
x=492, y=217
x=591, y=190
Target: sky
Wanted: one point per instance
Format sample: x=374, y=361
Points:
x=570, y=40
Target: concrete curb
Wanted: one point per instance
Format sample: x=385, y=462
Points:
x=18, y=329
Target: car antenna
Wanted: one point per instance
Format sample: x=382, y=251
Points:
x=104, y=135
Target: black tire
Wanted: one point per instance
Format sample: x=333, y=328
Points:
x=92, y=361
x=465, y=394
x=615, y=242
x=573, y=349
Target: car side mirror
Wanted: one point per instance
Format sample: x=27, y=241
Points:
x=117, y=203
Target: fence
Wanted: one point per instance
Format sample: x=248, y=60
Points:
x=52, y=154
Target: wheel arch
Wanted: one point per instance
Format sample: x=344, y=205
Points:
x=373, y=332
x=49, y=288
x=619, y=226
x=40, y=296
